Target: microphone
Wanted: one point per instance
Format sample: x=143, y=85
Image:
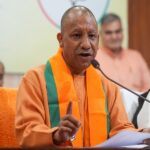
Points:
x=97, y=66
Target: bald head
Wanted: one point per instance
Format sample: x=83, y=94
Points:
x=75, y=12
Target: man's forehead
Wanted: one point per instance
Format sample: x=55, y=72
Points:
x=80, y=20
x=112, y=25
x=82, y=25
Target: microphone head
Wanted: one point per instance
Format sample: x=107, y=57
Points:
x=95, y=64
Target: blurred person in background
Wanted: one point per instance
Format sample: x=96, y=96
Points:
x=123, y=65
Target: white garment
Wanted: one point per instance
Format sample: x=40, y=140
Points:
x=143, y=118
x=130, y=102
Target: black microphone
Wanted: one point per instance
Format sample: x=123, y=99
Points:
x=97, y=66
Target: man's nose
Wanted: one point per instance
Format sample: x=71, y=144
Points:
x=114, y=35
x=85, y=44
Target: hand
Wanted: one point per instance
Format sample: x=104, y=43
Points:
x=146, y=141
x=68, y=127
x=146, y=130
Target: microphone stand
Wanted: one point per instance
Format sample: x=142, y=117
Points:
x=97, y=66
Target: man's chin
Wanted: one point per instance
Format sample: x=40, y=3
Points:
x=115, y=48
x=86, y=65
x=82, y=67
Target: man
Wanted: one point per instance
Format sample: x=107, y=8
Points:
x=64, y=102
x=2, y=70
x=125, y=66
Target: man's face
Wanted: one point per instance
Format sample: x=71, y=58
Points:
x=79, y=40
x=111, y=35
x=1, y=75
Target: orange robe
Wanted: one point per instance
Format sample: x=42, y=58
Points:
x=32, y=116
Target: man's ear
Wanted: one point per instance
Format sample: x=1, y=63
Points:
x=60, y=39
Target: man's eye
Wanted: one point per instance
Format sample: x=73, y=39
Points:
x=76, y=35
x=92, y=36
x=108, y=32
x=118, y=31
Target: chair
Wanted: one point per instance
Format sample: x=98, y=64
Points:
x=7, y=117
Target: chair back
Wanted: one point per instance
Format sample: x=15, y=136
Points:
x=7, y=117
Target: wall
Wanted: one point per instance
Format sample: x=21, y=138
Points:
x=27, y=38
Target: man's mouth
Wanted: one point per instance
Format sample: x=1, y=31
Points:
x=85, y=54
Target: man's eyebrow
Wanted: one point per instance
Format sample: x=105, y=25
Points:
x=111, y=31
x=76, y=30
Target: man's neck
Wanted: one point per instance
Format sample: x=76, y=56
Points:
x=74, y=72
x=116, y=51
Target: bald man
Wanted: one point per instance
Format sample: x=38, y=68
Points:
x=67, y=102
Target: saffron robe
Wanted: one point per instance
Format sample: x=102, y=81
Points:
x=33, y=118
x=61, y=90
